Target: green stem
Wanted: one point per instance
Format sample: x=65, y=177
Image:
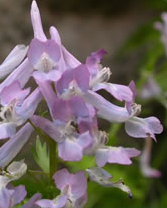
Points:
x=113, y=133
x=38, y=131
x=52, y=159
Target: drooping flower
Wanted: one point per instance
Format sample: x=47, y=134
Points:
x=134, y=126
x=103, y=178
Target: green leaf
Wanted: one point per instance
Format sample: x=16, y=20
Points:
x=41, y=155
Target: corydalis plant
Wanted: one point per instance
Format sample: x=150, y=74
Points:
x=69, y=88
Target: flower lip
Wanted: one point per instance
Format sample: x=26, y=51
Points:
x=44, y=56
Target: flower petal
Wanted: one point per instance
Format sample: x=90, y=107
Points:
x=32, y=200
x=70, y=150
x=81, y=75
x=12, y=147
x=36, y=22
x=22, y=74
x=7, y=130
x=117, y=155
x=63, y=84
x=13, y=91
x=70, y=61
x=37, y=48
x=102, y=177
x=78, y=185
x=15, y=57
x=5, y=198
x=53, y=75
x=143, y=127
x=56, y=37
x=120, y=92
x=101, y=157
x=19, y=194
x=106, y=110
x=45, y=203
x=62, y=178
x=78, y=107
x=28, y=107
x=48, y=127
x=93, y=61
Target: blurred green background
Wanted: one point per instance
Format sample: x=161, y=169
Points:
x=125, y=30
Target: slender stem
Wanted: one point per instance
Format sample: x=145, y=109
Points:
x=52, y=159
x=113, y=133
x=38, y=131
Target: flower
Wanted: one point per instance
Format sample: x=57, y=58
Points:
x=11, y=197
x=71, y=145
x=102, y=177
x=119, y=155
x=16, y=107
x=73, y=190
x=145, y=167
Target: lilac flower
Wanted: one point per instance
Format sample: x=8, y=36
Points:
x=11, y=197
x=78, y=80
x=32, y=200
x=100, y=76
x=14, y=171
x=62, y=110
x=135, y=126
x=44, y=55
x=48, y=57
x=108, y=154
x=22, y=74
x=71, y=144
x=117, y=155
x=151, y=89
x=103, y=178
x=146, y=169
x=73, y=190
x=16, y=107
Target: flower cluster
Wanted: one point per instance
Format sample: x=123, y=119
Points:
x=69, y=88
